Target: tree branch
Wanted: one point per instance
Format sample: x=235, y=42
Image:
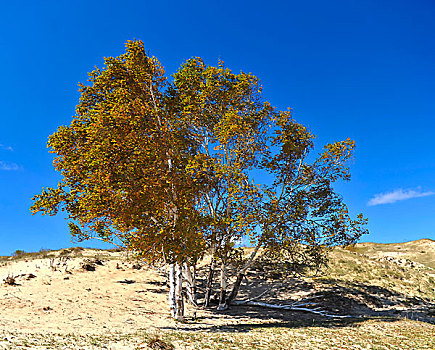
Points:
x=290, y=307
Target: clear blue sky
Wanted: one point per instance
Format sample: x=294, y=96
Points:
x=358, y=69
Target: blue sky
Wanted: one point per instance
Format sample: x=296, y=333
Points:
x=358, y=69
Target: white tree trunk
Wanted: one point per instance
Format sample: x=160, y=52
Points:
x=223, y=305
x=176, y=302
x=209, y=285
x=172, y=302
x=179, y=302
x=191, y=284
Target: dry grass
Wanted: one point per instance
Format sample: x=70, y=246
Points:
x=370, y=334
x=413, y=281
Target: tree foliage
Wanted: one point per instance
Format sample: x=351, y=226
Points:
x=171, y=169
x=298, y=214
x=123, y=163
x=229, y=121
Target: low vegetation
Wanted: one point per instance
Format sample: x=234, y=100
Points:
x=369, y=334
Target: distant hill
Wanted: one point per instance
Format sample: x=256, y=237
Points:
x=406, y=268
x=421, y=251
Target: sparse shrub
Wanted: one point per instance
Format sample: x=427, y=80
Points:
x=351, y=248
x=136, y=266
x=87, y=266
x=115, y=250
x=76, y=251
x=44, y=252
x=19, y=253
x=159, y=344
x=64, y=252
x=10, y=280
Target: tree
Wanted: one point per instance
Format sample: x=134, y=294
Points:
x=122, y=163
x=166, y=170
x=298, y=215
x=230, y=122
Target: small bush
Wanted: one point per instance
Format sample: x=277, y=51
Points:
x=75, y=251
x=10, y=280
x=64, y=252
x=19, y=253
x=351, y=248
x=159, y=344
x=115, y=250
x=44, y=252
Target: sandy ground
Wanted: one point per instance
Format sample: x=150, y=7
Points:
x=60, y=296
x=66, y=298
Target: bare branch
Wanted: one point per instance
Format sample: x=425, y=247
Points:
x=290, y=308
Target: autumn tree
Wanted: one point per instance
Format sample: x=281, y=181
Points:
x=166, y=169
x=297, y=215
x=122, y=162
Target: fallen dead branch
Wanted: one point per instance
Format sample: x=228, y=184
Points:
x=296, y=306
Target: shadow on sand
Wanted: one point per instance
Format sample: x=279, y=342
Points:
x=360, y=301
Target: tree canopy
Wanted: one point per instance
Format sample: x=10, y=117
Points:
x=170, y=170
x=122, y=162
